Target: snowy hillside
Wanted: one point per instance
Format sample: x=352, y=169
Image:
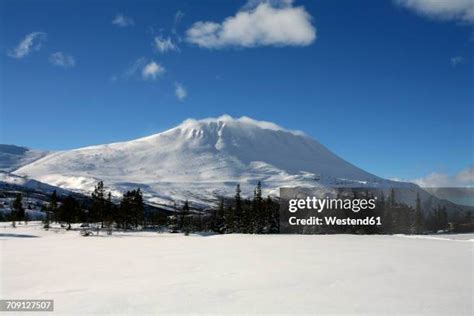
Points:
x=35, y=194
x=198, y=160
x=11, y=181
x=13, y=157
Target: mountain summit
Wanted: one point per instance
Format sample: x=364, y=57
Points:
x=200, y=159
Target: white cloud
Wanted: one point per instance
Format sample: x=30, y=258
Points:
x=142, y=68
x=463, y=178
x=259, y=23
x=62, y=60
x=466, y=175
x=457, y=10
x=164, y=45
x=122, y=20
x=152, y=70
x=456, y=60
x=180, y=91
x=31, y=42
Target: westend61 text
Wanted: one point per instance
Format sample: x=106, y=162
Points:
x=335, y=221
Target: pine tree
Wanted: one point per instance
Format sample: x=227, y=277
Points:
x=138, y=207
x=68, y=211
x=109, y=213
x=183, y=218
x=238, y=210
x=418, y=215
x=218, y=221
x=52, y=208
x=274, y=216
x=18, y=211
x=386, y=210
x=257, y=210
x=229, y=219
x=98, y=203
x=46, y=220
x=124, y=210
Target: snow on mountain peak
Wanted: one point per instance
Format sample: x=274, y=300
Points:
x=244, y=122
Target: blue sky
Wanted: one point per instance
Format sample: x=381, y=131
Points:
x=386, y=85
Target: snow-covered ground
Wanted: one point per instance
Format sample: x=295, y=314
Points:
x=149, y=273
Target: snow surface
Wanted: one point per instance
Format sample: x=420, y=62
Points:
x=200, y=159
x=151, y=273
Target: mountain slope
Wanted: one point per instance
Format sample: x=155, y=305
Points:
x=13, y=157
x=198, y=160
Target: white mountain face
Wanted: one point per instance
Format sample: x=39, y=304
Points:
x=199, y=160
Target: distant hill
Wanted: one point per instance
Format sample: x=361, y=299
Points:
x=13, y=157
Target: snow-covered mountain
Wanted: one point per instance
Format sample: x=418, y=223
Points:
x=13, y=157
x=200, y=159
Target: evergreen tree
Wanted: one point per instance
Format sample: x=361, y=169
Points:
x=18, y=211
x=47, y=219
x=138, y=207
x=229, y=219
x=387, y=219
x=131, y=209
x=109, y=213
x=247, y=218
x=183, y=217
x=274, y=216
x=418, y=215
x=68, y=211
x=238, y=210
x=217, y=220
x=98, y=204
x=257, y=210
x=52, y=208
x=124, y=211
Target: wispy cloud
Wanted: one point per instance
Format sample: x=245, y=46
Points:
x=123, y=21
x=178, y=16
x=143, y=69
x=259, y=23
x=134, y=68
x=456, y=60
x=456, y=10
x=62, y=60
x=164, y=45
x=152, y=70
x=31, y=42
x=463, y=178
x=180, y=92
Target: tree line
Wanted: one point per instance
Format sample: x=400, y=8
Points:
x=255, y=215
x=396, y=218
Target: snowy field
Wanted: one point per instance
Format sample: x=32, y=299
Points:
x=150, y=273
